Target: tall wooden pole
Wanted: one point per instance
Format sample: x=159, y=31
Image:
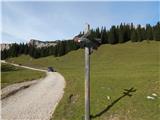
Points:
x=87, y=83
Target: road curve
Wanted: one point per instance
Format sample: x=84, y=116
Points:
x=36, y=102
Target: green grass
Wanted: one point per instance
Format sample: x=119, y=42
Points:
x=11, y=74
x=113, y=68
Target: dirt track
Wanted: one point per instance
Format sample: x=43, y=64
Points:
x=35, y=102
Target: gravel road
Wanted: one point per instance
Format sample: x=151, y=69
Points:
x=36, y=102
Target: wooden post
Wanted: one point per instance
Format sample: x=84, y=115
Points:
x=87, y=83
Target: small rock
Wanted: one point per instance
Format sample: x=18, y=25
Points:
x=154, y=94
x=108, y=97
x=150, y=97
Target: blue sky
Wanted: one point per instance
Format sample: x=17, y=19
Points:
x=22, y=21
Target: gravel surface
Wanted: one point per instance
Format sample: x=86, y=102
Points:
x=36, y=102
x=12, y=89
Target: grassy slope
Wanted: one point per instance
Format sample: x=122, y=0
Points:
x=11, y=74
x=113, y=68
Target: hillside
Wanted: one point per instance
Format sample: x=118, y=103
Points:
x=11, y=75
x=113, y=69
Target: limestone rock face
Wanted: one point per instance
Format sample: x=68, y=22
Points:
x=34, y=42
x=39, y=44
x=5, y=46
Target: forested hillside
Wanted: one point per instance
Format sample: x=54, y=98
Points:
x=116, y=34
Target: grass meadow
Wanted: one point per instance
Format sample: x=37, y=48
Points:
x=11, y=74
x=113, y=69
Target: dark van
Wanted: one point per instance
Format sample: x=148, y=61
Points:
x=50, y=69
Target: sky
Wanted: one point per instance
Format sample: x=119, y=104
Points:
x=52, y=20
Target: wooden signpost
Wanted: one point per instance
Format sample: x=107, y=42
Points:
x=89, y=45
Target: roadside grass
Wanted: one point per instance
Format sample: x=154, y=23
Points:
x=113, y=69
x=11, y=74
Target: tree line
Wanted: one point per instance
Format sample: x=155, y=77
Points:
x=126, y=32
x=116, y=34
x=61, y=48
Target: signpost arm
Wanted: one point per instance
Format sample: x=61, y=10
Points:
x=87, y=83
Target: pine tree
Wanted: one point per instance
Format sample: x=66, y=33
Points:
x=139, y=33
x=149, y=32
x=104, y=35
x=4, y=54
x=134, y=37
x=112, y=36
x=120, y=34
x=156, y=32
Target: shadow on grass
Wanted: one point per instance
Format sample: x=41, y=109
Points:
x=127, y=92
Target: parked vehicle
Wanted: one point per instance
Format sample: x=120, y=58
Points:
x=51, y=69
